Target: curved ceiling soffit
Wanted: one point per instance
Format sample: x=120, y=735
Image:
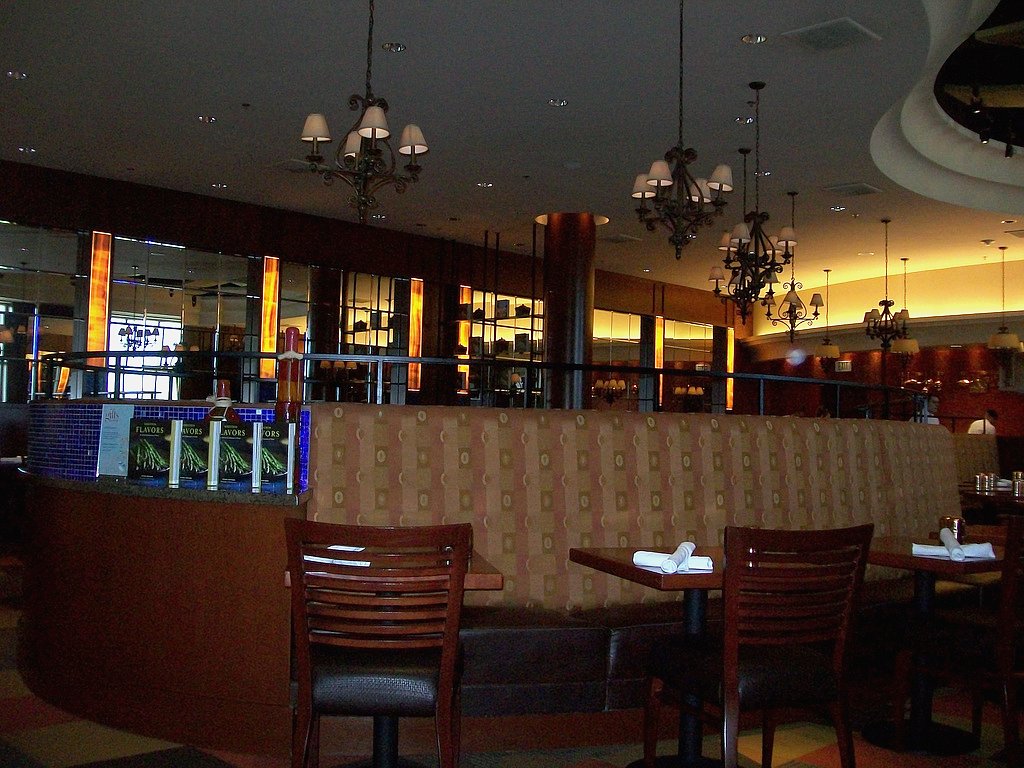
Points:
x=919, y=147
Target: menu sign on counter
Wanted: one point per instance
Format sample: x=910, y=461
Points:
x=190, y=454
x=149, y=451
x=238, y=457
x=277, y=457
x=112, y=456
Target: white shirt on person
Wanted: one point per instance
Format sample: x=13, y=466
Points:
x=981, y=427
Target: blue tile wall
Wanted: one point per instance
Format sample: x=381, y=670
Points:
x=63, y=438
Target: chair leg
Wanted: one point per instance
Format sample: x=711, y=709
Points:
x=1011, y=724
x=844, y=736
x=302, y=733
x=977, y=707
x=446, y=724
x=652, y=710
x=730, y=732
x=768, y=724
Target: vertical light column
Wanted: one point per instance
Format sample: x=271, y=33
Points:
x=97, y=325
x=466, y=308
x=730, y=365
x=268, y=315
x=659, y=353
x=415, y=330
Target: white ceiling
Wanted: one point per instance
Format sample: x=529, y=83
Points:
x=116, y=89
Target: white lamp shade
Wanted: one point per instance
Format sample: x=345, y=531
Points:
x=700, y=191
x=902, y=316
x=741, y=233
x=872, y=316
x=817, y=301
x=660, y=174
x=717, y=274
x=771, y=277
x=726, y=242
x=1003, y=340
x=721, y=178
x=599, y=384
x=374, y=124
x=412, y=142
x=353, y=142
x=793, y=298
x=828, y=351
x=787, y=236
x=315, y=128
x=641, y=188
x=905, y=347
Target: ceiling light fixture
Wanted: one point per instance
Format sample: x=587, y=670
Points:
x=906, y=346
x=753, y=260
x=792, y=310
x=1003, y=339
x=366, y=161
x=679, y=202
x=753, y=39
x=827, y=350
x=884, y=325
x=557, y=102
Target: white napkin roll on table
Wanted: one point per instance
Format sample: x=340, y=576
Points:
x=681, y=560
x=953, y=550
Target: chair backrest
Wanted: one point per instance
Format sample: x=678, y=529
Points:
x=377, y=587
x=1011, y=592
x=792, y=587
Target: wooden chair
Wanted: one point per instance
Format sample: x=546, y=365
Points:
x=788, y=598
x=979, y=648
x=377, y=630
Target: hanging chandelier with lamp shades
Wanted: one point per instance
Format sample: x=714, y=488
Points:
x=792, y=312
x=1003, y=340
x=886, y=326
x=827, y=350
x=752, y=258
x=678, y=201
x=366, y=161
x=906, y=346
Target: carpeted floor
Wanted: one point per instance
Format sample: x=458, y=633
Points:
x=35, y=735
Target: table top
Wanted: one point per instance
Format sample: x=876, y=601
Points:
x=891, y=551
x=1001, y=495
x=618, y=561
x=482, y=575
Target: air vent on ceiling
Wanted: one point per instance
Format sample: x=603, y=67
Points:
x=830, y=35
x=1015, y=232
x=852, y=189
x=622, y=237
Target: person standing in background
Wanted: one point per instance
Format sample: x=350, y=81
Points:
x=985, y=426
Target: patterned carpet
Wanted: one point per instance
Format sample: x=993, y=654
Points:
x=35, y=735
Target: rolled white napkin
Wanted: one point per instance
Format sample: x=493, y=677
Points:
x=953, y=550
x=681, y=560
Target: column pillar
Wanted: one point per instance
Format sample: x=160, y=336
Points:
x=569, y=240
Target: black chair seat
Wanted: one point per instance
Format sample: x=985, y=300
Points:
x=375, y=682
x=695, y=667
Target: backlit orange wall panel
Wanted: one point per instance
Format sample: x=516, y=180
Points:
x=268, y=321
x=415, y=330
x=99, y=294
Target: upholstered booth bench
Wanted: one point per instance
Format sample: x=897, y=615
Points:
x=534, y=483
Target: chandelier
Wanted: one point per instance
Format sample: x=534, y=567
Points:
x=136, y=338
x=905, y=347
x=827, y=350
x=886, y=326
x=752, y=258
x=680, y=202
x=366, y=161
x=792, y=312
x=1003, y=339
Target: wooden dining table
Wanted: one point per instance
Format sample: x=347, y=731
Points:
x=924, y=735
x=695, y=585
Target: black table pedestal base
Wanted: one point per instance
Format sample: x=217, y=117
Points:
x=674, y=761
x=938, y=739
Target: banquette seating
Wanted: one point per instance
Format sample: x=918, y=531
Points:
x=535, y=483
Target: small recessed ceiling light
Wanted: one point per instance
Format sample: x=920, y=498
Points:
x=753, y=39
x=393, y=47
x=453, y=218
x=956, y=346
x=645, y=269
x=866, y=253
x=518, y=245
x=765, y=173
x=208, y=119
x=1009, y=221
x=27, y=150
x=987, y=241
x=17, y=74
x=745, y=120
x=837, y=208
x=219, y=185
x=379, y=216
x=485, y=184
x=557, y=103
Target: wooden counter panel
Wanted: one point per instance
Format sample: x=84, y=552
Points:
x=164, y=616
